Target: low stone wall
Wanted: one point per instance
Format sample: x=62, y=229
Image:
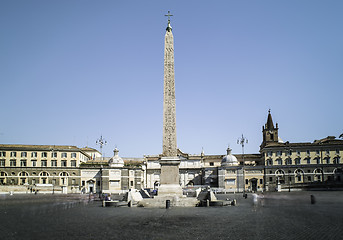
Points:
x=15, y=188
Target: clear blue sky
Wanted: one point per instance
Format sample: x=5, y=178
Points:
x=73, y=70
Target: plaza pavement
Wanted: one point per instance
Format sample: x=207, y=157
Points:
x=278, y=216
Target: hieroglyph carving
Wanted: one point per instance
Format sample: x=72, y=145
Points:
x=169, y=111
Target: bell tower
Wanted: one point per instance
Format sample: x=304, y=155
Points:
x=270, y=133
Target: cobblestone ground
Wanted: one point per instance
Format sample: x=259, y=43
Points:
x=276, y=216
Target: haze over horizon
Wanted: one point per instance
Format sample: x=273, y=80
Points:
x=72, y=71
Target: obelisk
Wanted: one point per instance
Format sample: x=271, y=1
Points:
x=169, y=178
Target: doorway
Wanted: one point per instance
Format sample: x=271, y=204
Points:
x=253, y=184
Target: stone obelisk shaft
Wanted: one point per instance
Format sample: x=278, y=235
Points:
x=169, y=111
x=170, y=179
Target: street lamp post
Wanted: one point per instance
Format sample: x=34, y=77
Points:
x=242, y=141
x=101, y=141
x=289, y=162
x=100, y=190
x=53, y=185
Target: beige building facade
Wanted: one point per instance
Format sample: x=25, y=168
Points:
x=279, y=166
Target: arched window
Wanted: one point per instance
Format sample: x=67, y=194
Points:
x=63, y=178
x=318, y=174
x=44, y=174
x=270, y=162
x=3, y=176
x=43, y=177
x=64, y=174
x=280, y=176
x=23, y=174
x=278, y=161
x=23, y=178
x=288, y=161
x=299, y=175
x=338, y=174
x=337, y=160
x=317, y=160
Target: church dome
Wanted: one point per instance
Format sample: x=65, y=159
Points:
x=116, y=161
x=229, y=159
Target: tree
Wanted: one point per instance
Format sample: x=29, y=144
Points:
x=341, y=136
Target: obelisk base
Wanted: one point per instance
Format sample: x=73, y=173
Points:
x=170, y=182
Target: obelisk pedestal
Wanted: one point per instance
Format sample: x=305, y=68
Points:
x=170, y=182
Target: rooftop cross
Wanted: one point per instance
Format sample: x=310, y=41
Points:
x=168, y=15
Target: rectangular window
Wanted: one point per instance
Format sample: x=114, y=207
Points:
x=308, y=152
x=278, y=153
x=309, y=178
x=211, y=163
x=73, y=163
x=44, y=163
x=327, y=152
x=54, y=154
x=53, y=181
x=63, y=163
x=34, y=163
x=53, y=163
x=73, y=155
x=298, y=152
x=83, y=183
x=246, y=181
x=270, y=179
x=114, y=183
x=33, y=181
x=317, y=152
x=34, y=154
x=2, y=154
x=63, y=155
x=261, y=181
x=23, y=154
x=13, y=154
x=131, y=183
x=13, y=163
x=23, y=163
x=2, y=163
x=73, y=182
x=269, y=153
x=337, y=151
x=327, y=160
x=44, y=154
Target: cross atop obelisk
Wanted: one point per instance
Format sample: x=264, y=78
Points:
x=169, y=112
x=168, y=15
x=169, y=28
